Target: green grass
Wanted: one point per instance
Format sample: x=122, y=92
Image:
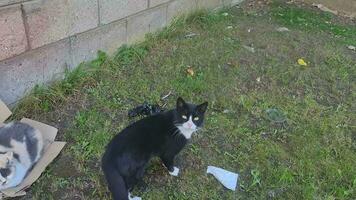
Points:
x=309, y=20
x=309, y=155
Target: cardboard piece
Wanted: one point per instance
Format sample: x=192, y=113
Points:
x=51, y=150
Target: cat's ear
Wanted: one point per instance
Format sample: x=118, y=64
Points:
x=180, y=103
x=202, y=107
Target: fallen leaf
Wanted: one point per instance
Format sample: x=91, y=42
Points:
x=190, y=71
x=302, y=62
x=167, y=95
x=251, y=49
x=190, y=35
x=282, y=29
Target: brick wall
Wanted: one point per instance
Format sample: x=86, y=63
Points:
x=39, y=39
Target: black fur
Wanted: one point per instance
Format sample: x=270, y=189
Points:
x=128, y=153
x=145, y=110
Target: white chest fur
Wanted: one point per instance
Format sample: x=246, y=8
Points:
x=187, y=128
x=186, y=132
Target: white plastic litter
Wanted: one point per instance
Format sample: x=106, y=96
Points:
x=227, y=178
x=351, y=47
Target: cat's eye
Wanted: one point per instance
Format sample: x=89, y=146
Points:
x=196, y=118
x=184, y=117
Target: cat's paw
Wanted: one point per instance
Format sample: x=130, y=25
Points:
x=134, y=198
x=175, y=171
x=2, y=180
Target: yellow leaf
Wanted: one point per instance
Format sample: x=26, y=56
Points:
x=302, y=62
x=190, y=71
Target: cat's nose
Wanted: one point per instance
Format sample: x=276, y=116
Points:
x=190, y=125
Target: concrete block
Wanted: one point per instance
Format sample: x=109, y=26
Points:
x=154, y=3
x=108, y=38
x=209, y=4
x=180, y=7
x=18, y=75
x=52, y=20
x=112, y=10
x=227, y=2
x=12, y=32
x=9, y=2
x=148, y=21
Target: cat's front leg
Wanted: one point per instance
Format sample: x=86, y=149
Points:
x=168, y=163
x=175, y=171
x=3, y=182
x=2, y=179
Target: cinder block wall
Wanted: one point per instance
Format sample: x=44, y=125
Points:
x=39, y=39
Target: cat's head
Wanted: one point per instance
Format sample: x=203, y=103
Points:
x=5, y=159
x=190, y=117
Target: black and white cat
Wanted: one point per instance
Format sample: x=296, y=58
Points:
x=20, y=148
x=163, y=134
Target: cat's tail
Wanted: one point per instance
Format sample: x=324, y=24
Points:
x=115, y=181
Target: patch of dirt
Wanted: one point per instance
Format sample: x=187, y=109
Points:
x=64, y=167
x=345, y=8
x=255, y=6
x=69, y=194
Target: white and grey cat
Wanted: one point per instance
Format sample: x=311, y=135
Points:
x=20, y=148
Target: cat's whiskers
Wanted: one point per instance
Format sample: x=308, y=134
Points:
x=176, y=133
x=172, y=128
x=199, y=128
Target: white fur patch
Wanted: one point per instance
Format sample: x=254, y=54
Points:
x=186, y=132
x=20, y=168
x=9, y=125
x=20, y=148
x=175, y=172
x=38, y=136
x=134, y=198
x=188, y=128
x=2, y=179
x=19, y=173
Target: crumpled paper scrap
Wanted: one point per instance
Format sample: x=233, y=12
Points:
x=227, y=178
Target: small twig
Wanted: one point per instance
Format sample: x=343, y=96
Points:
x=164, y=105
x=167, y=95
